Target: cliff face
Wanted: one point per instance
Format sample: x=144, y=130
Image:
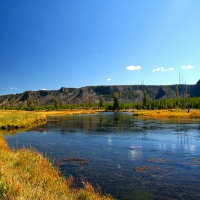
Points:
x=196, y=90
x=128, y=93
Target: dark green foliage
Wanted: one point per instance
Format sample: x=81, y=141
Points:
x=56, y=104
x=90, y=102
x=145, y=99
x=3, y=189
x=108, y=97
x=116, y=101
x=101, y=102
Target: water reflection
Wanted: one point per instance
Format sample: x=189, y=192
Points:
x=134, y=153
x=128, y=157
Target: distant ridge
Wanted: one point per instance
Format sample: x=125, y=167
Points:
x=128, y=93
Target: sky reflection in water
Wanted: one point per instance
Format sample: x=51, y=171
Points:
x=130, y=158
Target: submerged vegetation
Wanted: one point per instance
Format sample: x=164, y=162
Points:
x=26, y=174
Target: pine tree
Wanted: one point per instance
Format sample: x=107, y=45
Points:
x=101, y=103
x=56, y=104
x=145, y=98
x=116, y=101
x=90, y=102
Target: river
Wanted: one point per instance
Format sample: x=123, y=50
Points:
x=126, y=157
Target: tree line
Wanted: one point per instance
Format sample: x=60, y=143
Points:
x=178, y=102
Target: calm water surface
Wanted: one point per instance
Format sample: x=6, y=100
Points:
x=126, y=157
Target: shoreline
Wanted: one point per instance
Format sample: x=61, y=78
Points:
x=27, y=174
x=14, y=120
x=11, y=120
x=181, y=114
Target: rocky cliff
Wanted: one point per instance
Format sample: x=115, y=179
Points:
x=128, y=93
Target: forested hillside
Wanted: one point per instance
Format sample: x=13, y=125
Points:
x=93, y=95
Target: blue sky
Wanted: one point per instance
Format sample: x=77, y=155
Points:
x=50, y=44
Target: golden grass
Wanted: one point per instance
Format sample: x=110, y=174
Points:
x=26, y=174
x=12, y=120
x=69, y=112
x=20, y=119
x=164, y=114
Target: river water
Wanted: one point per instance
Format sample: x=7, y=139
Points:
x=126, y=157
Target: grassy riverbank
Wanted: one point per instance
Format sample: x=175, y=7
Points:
x=26, y=174
x=20, y=119
x=167, y=114
x=12, y=119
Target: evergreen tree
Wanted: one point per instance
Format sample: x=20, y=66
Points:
x=29, y=104
x=116, y=101
x=79, y=103
x=90, y=102
x=56, y=104
x=61, y=104
x=101, y=103
x=177, y=91
x=145, y=98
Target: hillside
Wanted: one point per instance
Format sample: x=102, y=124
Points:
x=128, y=93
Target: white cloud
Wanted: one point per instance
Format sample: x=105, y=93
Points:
x=43, y=89
x=108, y=79
x=13, y=88
x=162, y=69
x=171, y=69
x=158, y=69
x=131, y=67
x=187, y=67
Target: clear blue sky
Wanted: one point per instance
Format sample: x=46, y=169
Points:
x=47, y=44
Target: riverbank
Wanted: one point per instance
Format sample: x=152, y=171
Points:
x=13, y=119
x=167, y=114
x=26, y=174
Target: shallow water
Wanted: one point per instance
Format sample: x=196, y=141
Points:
x=126, y=157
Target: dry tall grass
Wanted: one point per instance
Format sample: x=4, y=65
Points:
x=26, y=174
x=164, y=114
x=19, y=119
x=23, y=119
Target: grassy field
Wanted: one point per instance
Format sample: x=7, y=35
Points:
x=166, y=114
